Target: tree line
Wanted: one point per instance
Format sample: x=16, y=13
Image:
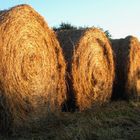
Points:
x=69, y=26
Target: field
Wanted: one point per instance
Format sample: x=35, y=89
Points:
x=40, y=77
x=114, y=121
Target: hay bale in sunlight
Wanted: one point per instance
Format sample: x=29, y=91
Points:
x=32, y=68
x=127, y=56
x=90, y=66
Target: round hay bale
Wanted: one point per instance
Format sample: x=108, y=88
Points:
x=32, y=68
x=127, y=81
x=90, y=66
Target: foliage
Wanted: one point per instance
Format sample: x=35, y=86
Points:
x=69, y=26
x=107, y=33
x=64, y=26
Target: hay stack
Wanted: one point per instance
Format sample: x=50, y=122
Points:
x=127, y=81
x=90, y=66
x=32, y=68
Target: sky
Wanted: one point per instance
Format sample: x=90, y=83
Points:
x=120, y=17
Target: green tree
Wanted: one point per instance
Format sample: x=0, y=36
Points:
x=64, y=26
x=107, y=33
x=69, y=26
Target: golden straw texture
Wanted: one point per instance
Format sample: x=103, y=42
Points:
x=90, y=66
x=127, y=56
x=32, y=68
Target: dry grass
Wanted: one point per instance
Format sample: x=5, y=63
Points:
x=114, y=121
x=90, y=66
x=32, y=68
x=127, y=83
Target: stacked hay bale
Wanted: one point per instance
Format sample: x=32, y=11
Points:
x=127, y=55
x=90, y=66
x=32, y=68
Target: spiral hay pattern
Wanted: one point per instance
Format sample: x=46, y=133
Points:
x=127, y=56
x=90, y=66
x=32, y=68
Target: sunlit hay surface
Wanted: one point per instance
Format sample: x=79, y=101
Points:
x=127, y=81
x=90, y=65
x=32, y=68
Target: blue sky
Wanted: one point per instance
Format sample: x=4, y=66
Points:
x=120, y=17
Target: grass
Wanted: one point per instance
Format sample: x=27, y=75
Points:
x=114, y=121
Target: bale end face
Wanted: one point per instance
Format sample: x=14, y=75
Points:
x=32, y=68
x=127, y=53
x=93, y=69
x=133, y=78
